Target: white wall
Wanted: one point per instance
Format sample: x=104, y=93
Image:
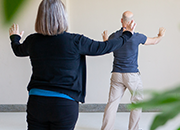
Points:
x=159, y=65
x=15, y=72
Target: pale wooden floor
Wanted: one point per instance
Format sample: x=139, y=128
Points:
x=86, y=121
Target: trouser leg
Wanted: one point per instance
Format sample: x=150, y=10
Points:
x=134, y=84
x=116, y=92
x=50, y=113
x=134, y=119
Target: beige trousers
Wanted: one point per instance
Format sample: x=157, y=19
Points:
x=119, y=83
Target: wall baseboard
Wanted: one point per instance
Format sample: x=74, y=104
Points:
x=82, y=108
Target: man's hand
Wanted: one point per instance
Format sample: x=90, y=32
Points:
x=105, y=35
x=130, y=27
x=161, y=32
x=155, y=40
x=15, y=30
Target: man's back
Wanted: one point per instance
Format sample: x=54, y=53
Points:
x=125, y=58
x=125, y=74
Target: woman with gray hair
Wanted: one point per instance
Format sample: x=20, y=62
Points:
x=58, y=81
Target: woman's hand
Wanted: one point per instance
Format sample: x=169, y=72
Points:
x=15, y=30
x=105, y=35
x=130, y=27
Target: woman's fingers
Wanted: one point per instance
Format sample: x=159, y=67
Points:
x=15, y=30
x=21, y=34
x=131, y=26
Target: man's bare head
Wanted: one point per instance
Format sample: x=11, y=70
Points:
x=126, y=17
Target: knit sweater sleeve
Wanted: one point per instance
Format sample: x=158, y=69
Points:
x=92, y=48
x=19, y=49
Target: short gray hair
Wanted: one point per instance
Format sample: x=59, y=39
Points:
x=51, y=18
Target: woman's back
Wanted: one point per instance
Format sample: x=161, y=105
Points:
x=55, y=62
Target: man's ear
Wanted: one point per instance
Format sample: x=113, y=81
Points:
x=121, y=20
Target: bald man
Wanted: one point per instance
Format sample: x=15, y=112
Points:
x=125, y=74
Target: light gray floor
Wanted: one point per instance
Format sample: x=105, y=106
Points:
x=87, y=121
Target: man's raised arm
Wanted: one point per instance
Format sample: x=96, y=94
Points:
x=155, y=40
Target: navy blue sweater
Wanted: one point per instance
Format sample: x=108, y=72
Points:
x=59, y=63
